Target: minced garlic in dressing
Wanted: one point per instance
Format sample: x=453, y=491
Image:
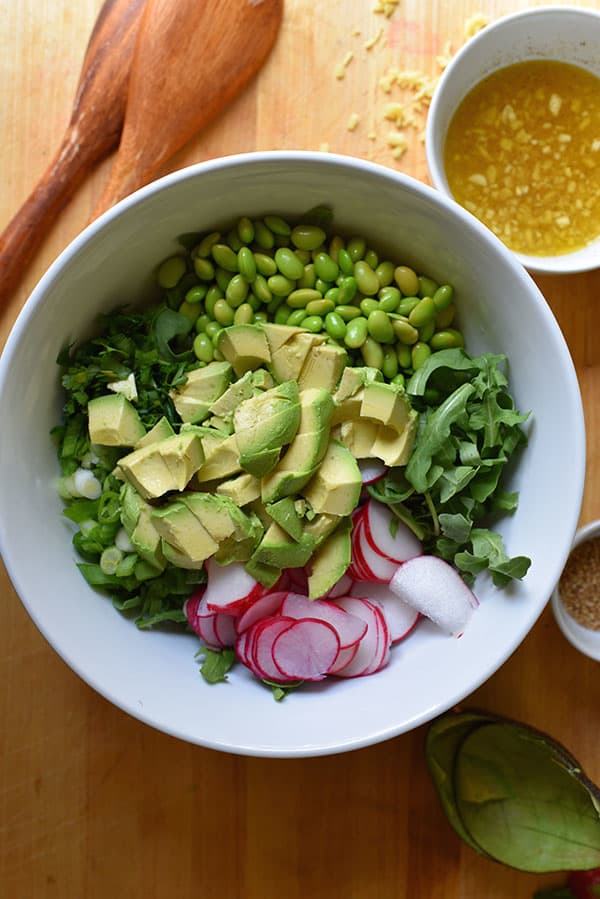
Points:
x=523, y=154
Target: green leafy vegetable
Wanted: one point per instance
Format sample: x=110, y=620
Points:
x=216, y=664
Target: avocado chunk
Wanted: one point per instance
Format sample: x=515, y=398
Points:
x=330, y=562
x=264, y=424
x=353, y=379
x=321, y=527
x=242, y=490
x=266, y=575
x=245, y=347
x=164, y=465
x=387, y=404
x=323, y=367
x=288, y=360
x=161, y=430
x=227, y=403
x=236, y=533
x=279, y=550
x=203, y=386
x=393, y=448
x=113, y=421
x=277, y=335
x=336, y=486
x=221, y=457
x=262, y=379
x=135, y=518
x=306, y=450
x=178, y=558
x=184, y=532
x=359, y=436
x=285, y=513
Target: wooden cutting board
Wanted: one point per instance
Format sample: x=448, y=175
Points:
x=95, y=804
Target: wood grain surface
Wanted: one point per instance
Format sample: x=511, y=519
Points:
x=94, y=804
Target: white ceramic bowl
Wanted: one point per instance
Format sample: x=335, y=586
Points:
x=563, y=33
x=153, y=675
x=582, y=638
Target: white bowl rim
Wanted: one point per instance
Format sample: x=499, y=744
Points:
x=469, y=222
x=568, y=263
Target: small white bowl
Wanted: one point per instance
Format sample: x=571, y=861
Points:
x=561, y=33
x=582, y=638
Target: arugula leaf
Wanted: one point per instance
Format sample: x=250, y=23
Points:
x=216, y=664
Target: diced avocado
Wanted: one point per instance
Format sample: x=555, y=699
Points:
x=359, y=437
x=240, y=390
x=182, y=530
x=222, y=457
x=113, y=421
x=136, y=519
x=264, y=424
x=330, y=562
x=284, y=512
x=349, y=408
x=336, y=486
x=225, y=425
x=321, y=527
x=393, y=448
x=258, y=508
x=353, y=379
x=262, y=379
x=202, y=388
x=279, y=550
x=161, y=430
x=240, y=547
x=287, y=361
x=323, y=367
x=131, y=506
x=164, y=465
x=175, y=557
x=242, y=490
x=277, y=335
x=245, y=347
x=236, y=533
x=387, y=404
x=266, y=575
x=306, y=450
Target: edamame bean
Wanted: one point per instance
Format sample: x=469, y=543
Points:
x=319, y=307
x=313, y=323
x=261, y=289
x=335, y=245
x=372, y=353
x=263, y=236
x=288, y=263
x=390, y=363
x=404, y=331
x=243, y=315
x=333, y=294
x=204, y=269
x=245, y=230
x=237, y=291
x=260, y=317
x=443, y=297
x=205, y=246
x=254, y=301
x=296, y=318
x=298, y=299
x=223, y=313
x=385, y=273
x=444, y=340
x=406, y=305
x=222, y=277
x=399, y=379
x=170, y=272
x=335, y=325
x=274, y=305
x=212, y=328
x=265, y=264
x=304, y=256
x=372, y=259
x=233, y=240
x=280, y=285
x=420, y=353
x=325, y=267
x=307, y=237
x=215, y=340
x=323, y=286
x=218, y=356
x=427, y=286
x=225, y=257
x=380, y=327
x=445, y=318
x=406, y=279
x=423, y=312
x=283, y=313
x=247, y=264
x=356, y=332
x=277, y=225
x=368, y=305
x=201, y=323
x=308, y=277
x=213, y=294
x=389, y=298
x=366, y=279
x=357, y=248
x=426, y=331
x=196, y=294
x=348, y=289
x=345, y=262
x=190, y=310
x=203, y=348
x=404, y=357
x=347, y=313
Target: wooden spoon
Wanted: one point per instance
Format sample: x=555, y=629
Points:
x=93, y=132
x=191, y=60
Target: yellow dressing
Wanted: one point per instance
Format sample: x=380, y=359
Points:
x=522, y=153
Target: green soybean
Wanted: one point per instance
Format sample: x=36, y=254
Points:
x=372, y=353
x=399, y=379
x=260, y=317
x=335, y=325
x=245, y=230
x=389, y=298
x=404, y=331
x=243, y=315
x=206, y=244
x=366, y=279
x=171, y=271
x=233, y=240
x=325, y=267
x=254, y=301
x=190, y=310
x=443, y=297
x=265, y=264
x=222, y=277
x=282, y=315
x=196, y=294
x=380, y=327
x=420, y=353
x=218, y=355
x=348, y=290
x=298, y=299
x=307, y=237
x=423, y=312
x=225, y=257
x=335, y=245
x=407, y=280
x=406, y=305
x=263, y=236
x=345, y=262
x=320, y=307
x=261, y=289
x=308, y=277
x=213, y=328
x=277, y=225
x=304, y=256
x=313, y=323
x=385, y=273
x=448, y=339
x=280, y=285
x=203, y=348
x=404, y=356
x=274, y=305
x=288, y=263
x=445, y=318
x=323, y=286
x=427, y=286
x=204, y=269
x=426, y=331
x=212, y=295
x=215, y=340
x=237, y=291
x=296, y=318
x=201, y=323
x=371, y=258
x=333, y=294
x=356, y=332
x=347, y=313
x=223, y=313
x=356, y=247
x=247, y=264
x=390, y=363
x=368, y=305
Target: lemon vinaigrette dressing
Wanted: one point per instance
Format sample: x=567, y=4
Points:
x=522, y=153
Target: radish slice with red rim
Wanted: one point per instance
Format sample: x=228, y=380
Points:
x=266, y=633
x=389, y=536
x=401, y=618
x=341, y=587
x=306, y=651
x=435, y=589
x=369, y=648
x=230, y=588
x=378, y=566
x=263, y=607
x=348, y=628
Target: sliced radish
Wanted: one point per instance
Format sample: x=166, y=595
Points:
x=435, y=589
x=263, y=607
x=348, y=628
x=378, y=566
x=225, y=629
x=371, y=649
x=190, y=608
x=380, y=525
x=306, y=650
x=261, y=647
x=401, y=618
x=341, y=587
x=371, y=470
x=344, y=658
x=230, y=589
x=240, y=647
x=358, y=569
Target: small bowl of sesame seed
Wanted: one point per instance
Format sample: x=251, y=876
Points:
x=576, y=597
x=513, y=135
